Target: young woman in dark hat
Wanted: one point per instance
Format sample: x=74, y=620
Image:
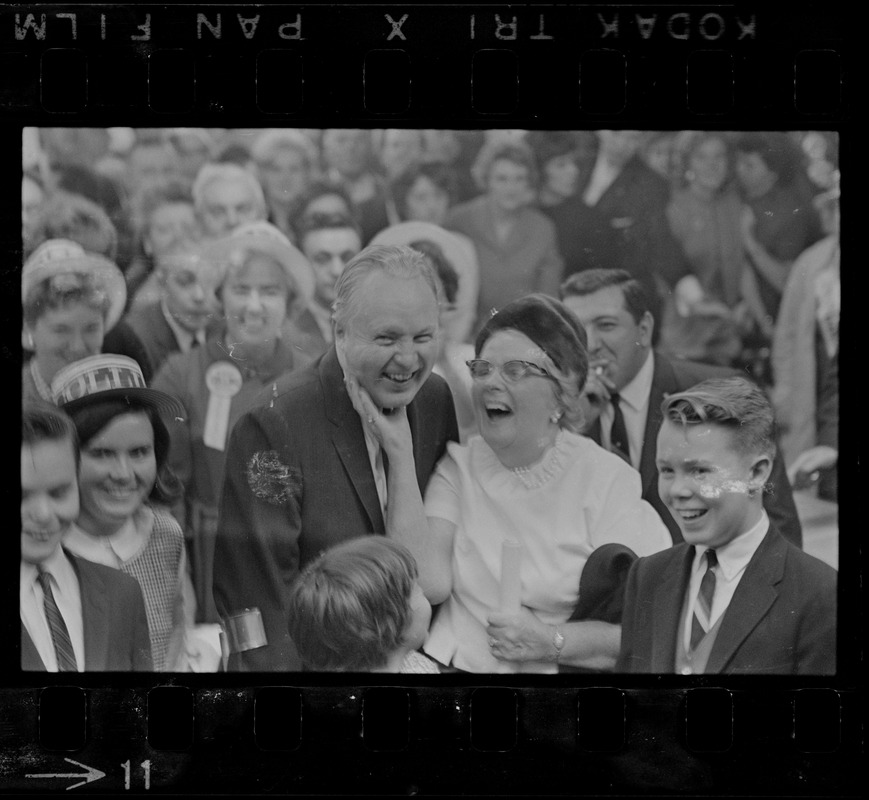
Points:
x=124, y=488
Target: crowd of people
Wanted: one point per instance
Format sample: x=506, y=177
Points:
x=427, y=400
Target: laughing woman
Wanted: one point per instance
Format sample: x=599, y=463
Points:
x=529, y=479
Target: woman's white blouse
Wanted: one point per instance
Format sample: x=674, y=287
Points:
x=577, y=498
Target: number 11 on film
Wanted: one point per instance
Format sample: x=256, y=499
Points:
x=146, y=768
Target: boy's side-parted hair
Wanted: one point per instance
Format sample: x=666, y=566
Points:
x=349, y=607
x=735, y=403
x=43, y=422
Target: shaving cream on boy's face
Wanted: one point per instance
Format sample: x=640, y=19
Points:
x=707, y=485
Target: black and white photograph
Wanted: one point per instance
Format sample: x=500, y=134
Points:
x=429, y=401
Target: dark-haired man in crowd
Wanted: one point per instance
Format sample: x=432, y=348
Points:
x=628, y=380
x=329, y=242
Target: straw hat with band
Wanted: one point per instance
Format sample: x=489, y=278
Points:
x=65, y=257
x=107, y=376
x=264, y=238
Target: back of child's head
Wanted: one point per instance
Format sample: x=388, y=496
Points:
x=349, y=607
x=736, y=404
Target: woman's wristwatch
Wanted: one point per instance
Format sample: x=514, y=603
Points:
x=558, y=642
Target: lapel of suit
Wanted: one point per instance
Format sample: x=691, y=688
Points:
x=611, y=202
x=667, y=609
x=94, y=613
x=663, y=383
x=423, y=446
x=31, y=661
x=152, y=327
x=348, y=437
x=751, y=600
x=162, y=331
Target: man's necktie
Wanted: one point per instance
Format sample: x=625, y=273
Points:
x=618, y=431
x=59, y=634
x=703, y=607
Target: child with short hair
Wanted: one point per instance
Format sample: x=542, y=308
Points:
x=358, y=607
x=735, y=597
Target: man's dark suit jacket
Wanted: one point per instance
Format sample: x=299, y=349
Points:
x=113, y=615
x=676, y=376
x=781, y=620
x=634, y=205
x=299, y=480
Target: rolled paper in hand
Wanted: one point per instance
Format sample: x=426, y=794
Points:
x=511, y=583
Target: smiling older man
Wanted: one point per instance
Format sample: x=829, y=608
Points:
x=303, y=472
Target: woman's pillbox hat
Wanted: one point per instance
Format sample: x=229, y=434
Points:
x=57, y=257
x=547, y=323
x=109, y=376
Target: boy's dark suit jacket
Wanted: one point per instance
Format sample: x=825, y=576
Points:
x=115, y=626
x=298, y=480
x=781, y=620
x=676, y=376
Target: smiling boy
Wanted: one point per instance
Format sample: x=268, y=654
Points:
x=735, y=597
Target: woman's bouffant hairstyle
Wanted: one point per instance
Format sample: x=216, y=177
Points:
x=687, y=143
x=65, y=215
x=776, y=149
x=736, y=403
x=93, y=417
x=441, y=175
x=547, y=145
x=350, y=607
x=515, y=152
x=560, y=337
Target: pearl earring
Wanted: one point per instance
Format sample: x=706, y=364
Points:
x=30, y=341
x=556, y=417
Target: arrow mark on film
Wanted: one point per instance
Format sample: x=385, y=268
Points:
x=89, y=776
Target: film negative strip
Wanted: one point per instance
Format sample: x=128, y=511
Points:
x=455, y=67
